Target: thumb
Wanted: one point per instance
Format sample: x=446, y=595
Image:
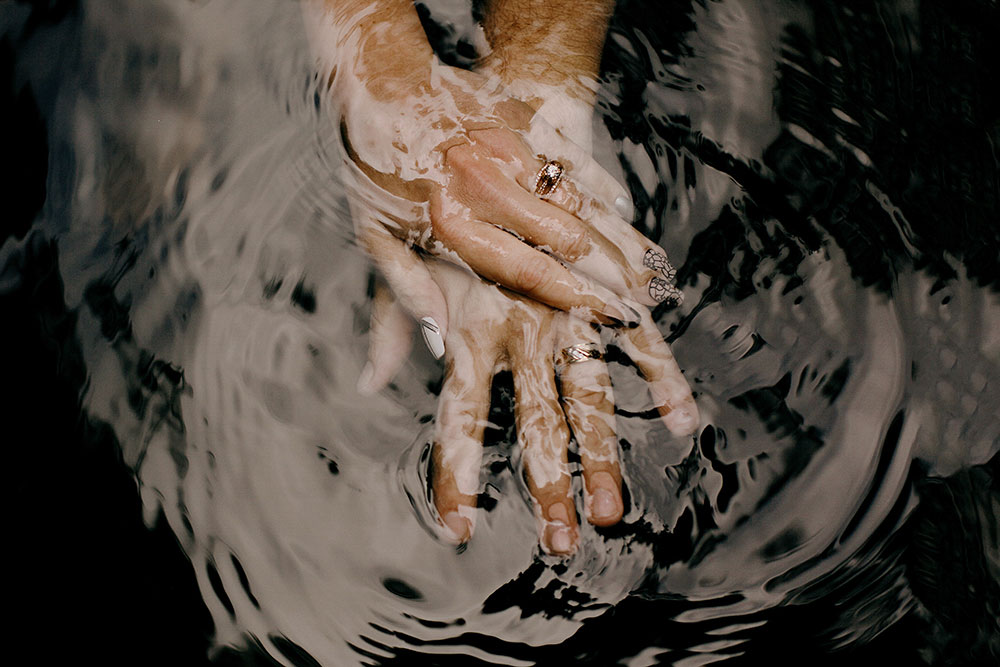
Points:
x=407, y=276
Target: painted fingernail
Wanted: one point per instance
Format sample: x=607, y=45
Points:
x=624, y=208
x=458, y=526
x=623, y=315
x=681, y=421
x=365, y=380
x=657, y=260
x=660, y=290
x=432, y=336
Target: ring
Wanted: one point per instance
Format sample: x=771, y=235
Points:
x=579, y=352
x=548, y=177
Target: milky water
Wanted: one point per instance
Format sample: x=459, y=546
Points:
x=206, y=242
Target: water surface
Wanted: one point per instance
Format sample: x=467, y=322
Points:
x=824, y=178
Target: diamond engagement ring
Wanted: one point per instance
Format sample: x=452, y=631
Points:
x=548, y=177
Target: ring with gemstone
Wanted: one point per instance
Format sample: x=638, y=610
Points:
x=580, y=352
x=548, y=177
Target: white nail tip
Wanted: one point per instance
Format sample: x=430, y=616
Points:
x=623, y=206
x=432, y=336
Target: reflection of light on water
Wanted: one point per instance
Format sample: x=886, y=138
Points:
x=300, y=503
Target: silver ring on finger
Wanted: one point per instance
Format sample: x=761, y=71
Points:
x=575, y=354
x=548, y=177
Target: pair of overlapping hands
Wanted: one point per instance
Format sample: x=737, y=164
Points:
x=441, y=164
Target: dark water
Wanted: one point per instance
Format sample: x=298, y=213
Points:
x=194, y=479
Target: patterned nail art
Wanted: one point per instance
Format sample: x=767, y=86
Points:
x=656, y=260
x=661, y=291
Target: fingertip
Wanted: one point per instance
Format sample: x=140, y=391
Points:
x=559, y=535
x=603, y=502
x=683, y=420
x=458, y=528
x=559, y=539
x=620, y=314
x=605, y=508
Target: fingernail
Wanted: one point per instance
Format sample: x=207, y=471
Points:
x=432, y=336
x=623, y=315
x=660, y=290
x=458, y=525
x=681, y=421
x=603, y=505
x=624, y=208
x=560, y=538
x=365, y=380
x=657, y=260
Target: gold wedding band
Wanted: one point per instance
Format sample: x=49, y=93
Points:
x=580, y=352
x=548, y=177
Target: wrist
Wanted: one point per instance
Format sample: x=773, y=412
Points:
x=378, y=44
x=567, y=104
x=526, y=67
x=557, y=43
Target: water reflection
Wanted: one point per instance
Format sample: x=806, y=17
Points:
x=834, y=333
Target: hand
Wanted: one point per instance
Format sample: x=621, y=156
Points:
x=449, y=170
x=486, y=148
x=492, y=329
x=488, y=329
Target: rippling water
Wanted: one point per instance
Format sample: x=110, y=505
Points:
x=186, y=315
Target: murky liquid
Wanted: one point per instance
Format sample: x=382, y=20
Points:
x=843, y=344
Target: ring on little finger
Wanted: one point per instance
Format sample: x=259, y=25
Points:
x=574, y=354
x=548, y=177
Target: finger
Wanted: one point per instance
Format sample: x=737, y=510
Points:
x=491, y=194
x=544, y=439
x=544, y=139
x=616, y=256
x=389, y=341
x=588, y=402
x=591, y=178
x=522, y=165
x=498, y=256
x=408, y=277
x=653, y=284
x=463, y=410
x=667, y=385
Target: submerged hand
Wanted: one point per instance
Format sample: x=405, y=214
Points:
x=491, y=330
x=441, y=161
x=447, y=168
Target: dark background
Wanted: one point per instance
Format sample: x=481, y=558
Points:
x=86, y=580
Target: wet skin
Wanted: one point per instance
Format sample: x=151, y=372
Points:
x=455, y=179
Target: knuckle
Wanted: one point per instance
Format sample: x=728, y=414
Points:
x=505, y=142
x=576, y=243
x=593, y=398
x=574, y=204
x=460, y=157
x=531, y=273
x=498, y=140
x=444, y=227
